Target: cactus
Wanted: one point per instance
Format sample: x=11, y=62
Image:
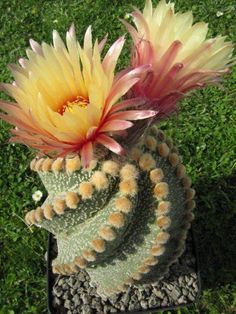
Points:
x=124, y=219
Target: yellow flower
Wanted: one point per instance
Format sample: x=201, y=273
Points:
x=66, y=97
x=180, y=55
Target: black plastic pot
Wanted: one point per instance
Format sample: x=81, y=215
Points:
x=51, y=278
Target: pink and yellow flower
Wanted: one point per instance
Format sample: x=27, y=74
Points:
x=181, y=57
x=67, y=98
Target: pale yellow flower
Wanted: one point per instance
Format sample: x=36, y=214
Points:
x=180, y=55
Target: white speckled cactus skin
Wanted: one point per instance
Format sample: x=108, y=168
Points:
x=124, y=219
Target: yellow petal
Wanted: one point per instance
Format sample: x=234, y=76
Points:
x=86, y=66
x=183, y=22
x=147, y=12
x=88, y=45
x=57, y=41
x=195, y=36
x=219, y=59
x=75, y=62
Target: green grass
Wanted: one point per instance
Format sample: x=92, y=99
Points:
x=204, y=131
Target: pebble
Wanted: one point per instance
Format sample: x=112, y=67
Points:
x=147, y=291
x=152, y=301
x=76, y=300
x=98, y=309
x=125, y=299
x=71, y=281
x=113, y=299
x=175, y=293
x=91, y=291
x=184, y=291
x=134, y=298
x=86, y=309
x=133, y=306
x=80, y=290
x=77, y=284
x=140, y=294
x=194, y=275
x=158, y=293
x=164, y=303
x=85, y=298
x=67, y=304
x=94, y=303
x=190, y=282
x=57, y=291
x=144, y=304
x=107, y=308
x=81, y=276
x=195, y=287
x=191, y=297
x=186, y=278
x=65, y=296
x=73, y=291
x=113, y=309
x=86, y=284
x=56, y=301
x=122, y=307
x=180, y=280
x=169, y=287
x=182, y=300
x=60, y=282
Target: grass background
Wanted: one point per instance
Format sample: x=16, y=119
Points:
x=204, y=132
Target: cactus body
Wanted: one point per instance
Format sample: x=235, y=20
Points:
x=124, y=219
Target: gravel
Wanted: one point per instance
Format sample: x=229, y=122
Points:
x=73, y=294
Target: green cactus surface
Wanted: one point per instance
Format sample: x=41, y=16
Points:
x=124, y=219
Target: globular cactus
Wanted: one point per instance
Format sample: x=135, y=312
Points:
x=124, y=219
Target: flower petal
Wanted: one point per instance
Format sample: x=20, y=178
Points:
x=110, y=143
x=133, y=102
x=111, y=57
x=88, y=45
x=86, y=154
x=36, y=47
x=57, y=41
x=132, y=31
x=124, y=84
x=134, y=114
x=102, y=43
x=141, y=24
x=115, y=125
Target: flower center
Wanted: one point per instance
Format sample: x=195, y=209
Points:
x=79, y=101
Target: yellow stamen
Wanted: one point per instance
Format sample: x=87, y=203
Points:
x=79, y=101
